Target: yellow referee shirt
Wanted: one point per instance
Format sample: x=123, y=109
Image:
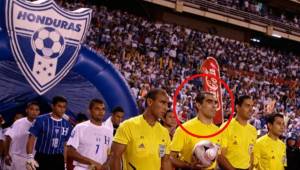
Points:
x=146, y=144
x=184, y=143
x=239, y=141
x=269, y=154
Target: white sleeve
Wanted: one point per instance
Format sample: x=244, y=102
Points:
x=74, y=138
x=11, y=132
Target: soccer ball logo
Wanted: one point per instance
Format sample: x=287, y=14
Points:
x=48, y=42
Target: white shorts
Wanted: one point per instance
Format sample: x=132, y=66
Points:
x=18, y=162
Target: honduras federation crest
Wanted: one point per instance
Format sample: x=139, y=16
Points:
x=45, y=39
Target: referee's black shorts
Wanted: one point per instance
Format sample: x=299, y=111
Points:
x=50, y=162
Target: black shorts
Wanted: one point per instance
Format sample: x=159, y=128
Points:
x=50, y=162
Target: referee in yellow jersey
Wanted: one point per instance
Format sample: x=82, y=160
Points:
x=269, y=150
x=142, y=139
x=238, y=138
x=181, y=147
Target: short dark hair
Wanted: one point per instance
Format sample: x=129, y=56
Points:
x=240, y=100
x=117, y=109
x=165, y=115
x=152, y=94
x=271, y=117
x=81, y=117
x=32, y=103
x=201, y=96
x=19, y=113
x=95, y=101
x=58, y=99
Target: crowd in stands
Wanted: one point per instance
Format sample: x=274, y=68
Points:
x=258, y=7
x=157, y=54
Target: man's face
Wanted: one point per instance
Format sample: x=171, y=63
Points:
x=117, y=118
x=208, y=107
x=159, y=105
x=277, y=128
x=170, y=120
x=291, y=142
x=33, y=111
x=59, y=108
x=97, y=112
x=298, y=112
x=245, y=109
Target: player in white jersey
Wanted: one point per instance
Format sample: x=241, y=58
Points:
x=90, y=141
x=115, y=119
x=16, y=138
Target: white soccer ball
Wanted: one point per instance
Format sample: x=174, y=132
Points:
x=205, y=152
x=48, y=42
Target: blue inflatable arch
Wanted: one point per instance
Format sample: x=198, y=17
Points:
x=96, y=69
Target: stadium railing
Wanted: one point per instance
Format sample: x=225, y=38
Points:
x=240, y=15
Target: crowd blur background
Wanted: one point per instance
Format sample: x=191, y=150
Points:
x=154, y=46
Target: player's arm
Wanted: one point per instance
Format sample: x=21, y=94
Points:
x=30, y=144
x=251, y=161
x=7, y=157
x=175, y=147
x=194, y=165
x=106, y=164
x=72, y=146
x=34, y=132
x=65, y=155
x=7, y=143
x=122, y=137
x=117, y=151
x=9, y=136
x=177, y=144
x=66, y=147
x=72, y=153
x=166, y=163
x=177, y=162
x=223, y=161
x=31, y=164
x=1, y=147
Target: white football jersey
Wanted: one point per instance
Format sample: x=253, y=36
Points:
x=91, y=141
x=18, y=132
x=108, y=123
